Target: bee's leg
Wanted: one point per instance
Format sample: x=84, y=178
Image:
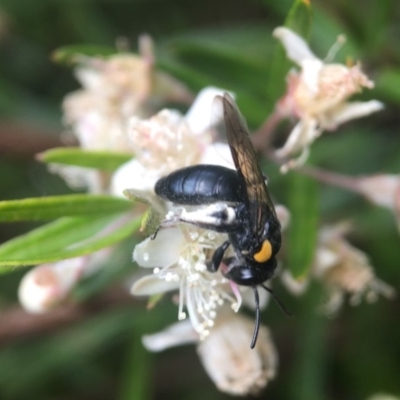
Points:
x=217, y=257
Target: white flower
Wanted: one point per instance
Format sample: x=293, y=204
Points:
x=231, y=364
x=317, y=96
x=114, y=90
x=46, y=286
x=169, y=141
x=344, y=269
x=178, y=257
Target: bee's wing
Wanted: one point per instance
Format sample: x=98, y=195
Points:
x=245, y=159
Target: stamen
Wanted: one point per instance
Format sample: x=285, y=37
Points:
x=238, y=296
x=200, y=267
x=340, y=41
x=181, y=316
x=200, y=292
x=181, y=292
x=192, y=313
x=194, y=235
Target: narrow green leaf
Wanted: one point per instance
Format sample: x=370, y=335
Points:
x=52, y=207
x=103, y=160
x=70, y=54
x=191, y=76
x=310, y=354
x=299, y=18
x=388, y=84
x=66, y=238
x=122, y=268
x=303, y=205
x=136, y=382
x=226, y=65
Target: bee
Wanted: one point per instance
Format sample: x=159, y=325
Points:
x=236, y=202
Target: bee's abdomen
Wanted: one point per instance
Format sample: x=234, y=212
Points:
x=201, y=184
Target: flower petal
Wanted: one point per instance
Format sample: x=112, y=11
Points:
x=132, y=175
x=229, y=361
x=296, y=47
x=198, y=116
x=46, y=285
x=301, y=136
x=174, y=335
x=383, y=190
x=163, y=251
x=151, y=284
x=310, y=70
x=295, y=286
x=218, y=154
x=351, y=110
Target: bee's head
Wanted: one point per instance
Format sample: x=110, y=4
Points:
x=270, y=242
x=249, y=273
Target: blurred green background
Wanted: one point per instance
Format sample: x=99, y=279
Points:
x=90, y=349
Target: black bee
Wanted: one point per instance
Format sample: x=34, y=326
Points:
x=237, y=203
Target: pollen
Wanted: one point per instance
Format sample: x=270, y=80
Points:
x=194, y=235
x=235, y=306
x=200, y=267
x=181, y=316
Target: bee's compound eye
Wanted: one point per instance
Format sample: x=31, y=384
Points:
x=265, y=253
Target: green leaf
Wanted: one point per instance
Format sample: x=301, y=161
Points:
x=299, y=18
x=52, y=207
x=225, y=65
x=303, y=205
x=191, y=76
x=70, y=54
x=388, y=84
x=136, y=382
x=66, y=238
x=103, y=160
x=122, y=268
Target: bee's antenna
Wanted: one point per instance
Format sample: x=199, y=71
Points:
x=257, y=324
x=274, y=296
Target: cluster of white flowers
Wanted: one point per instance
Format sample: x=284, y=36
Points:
x=115, y=111
x=113, y=91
